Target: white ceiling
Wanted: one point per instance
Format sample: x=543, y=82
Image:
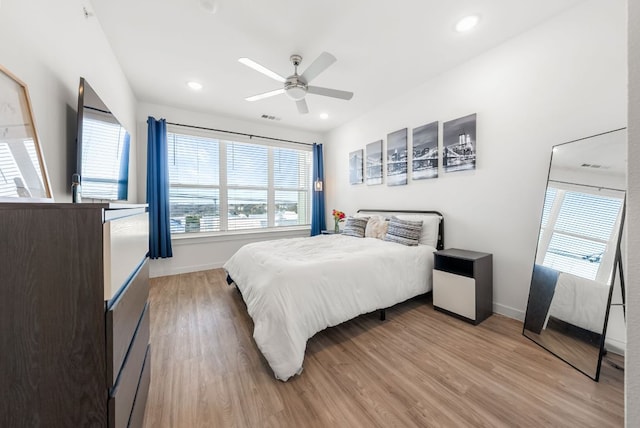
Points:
x=384, y=48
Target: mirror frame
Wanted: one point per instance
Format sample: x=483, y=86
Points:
x=21, y=92
x=617, y=268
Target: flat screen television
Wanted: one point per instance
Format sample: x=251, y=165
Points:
x=103, y=149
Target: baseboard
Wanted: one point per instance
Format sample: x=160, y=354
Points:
x=615, y=346
x=157, y=269
x=508, y=311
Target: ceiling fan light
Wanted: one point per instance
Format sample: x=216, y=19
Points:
x=296, y=93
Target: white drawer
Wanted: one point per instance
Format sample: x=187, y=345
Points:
x=126, y=243
x=454, y=293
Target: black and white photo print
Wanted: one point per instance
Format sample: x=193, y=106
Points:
x=425, y=152
x=355, y=167
x=374, y=162
x=397, y=158
x=459, y=144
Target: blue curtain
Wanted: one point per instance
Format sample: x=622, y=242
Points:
x=317, y=202
x=158, y=189
x=123, y=175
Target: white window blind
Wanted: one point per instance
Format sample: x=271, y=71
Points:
x=549, y=199
x=9, y=171
x=101, y=140
x=581, y=228
x=194, y=174
x=292, y=180
x=19, y=176
x=220, y=185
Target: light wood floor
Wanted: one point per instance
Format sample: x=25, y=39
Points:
x=420, y=368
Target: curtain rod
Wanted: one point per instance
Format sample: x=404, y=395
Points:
x=239, y=133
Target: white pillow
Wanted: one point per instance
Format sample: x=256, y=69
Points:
x=376, y=227
x=430, y=224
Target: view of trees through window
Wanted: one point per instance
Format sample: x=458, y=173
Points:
x=219, y=185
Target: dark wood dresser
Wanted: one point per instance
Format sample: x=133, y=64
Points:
x=74, y=315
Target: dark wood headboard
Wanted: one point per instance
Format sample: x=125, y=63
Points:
x=439, y=246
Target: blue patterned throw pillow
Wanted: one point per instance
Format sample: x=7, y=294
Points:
x=355, y=226
x=405, y=232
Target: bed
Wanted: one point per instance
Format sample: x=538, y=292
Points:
x=294, y=288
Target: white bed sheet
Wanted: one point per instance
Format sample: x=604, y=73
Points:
x=297, y=287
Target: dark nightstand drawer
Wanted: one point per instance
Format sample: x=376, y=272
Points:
x=122, y=320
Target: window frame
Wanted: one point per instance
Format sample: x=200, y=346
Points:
x=606, y=268
x=223, y=187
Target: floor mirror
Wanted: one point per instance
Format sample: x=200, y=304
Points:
x=578, y=254
x=23, y=175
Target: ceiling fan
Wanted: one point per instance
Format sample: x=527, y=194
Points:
x=297, y=86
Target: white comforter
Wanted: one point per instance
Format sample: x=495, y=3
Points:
x=295, y=288
x=579, y=301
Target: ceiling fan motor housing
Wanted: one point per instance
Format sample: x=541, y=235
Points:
x=295, y=88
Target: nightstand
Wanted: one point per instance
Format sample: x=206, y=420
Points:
x=329, y=232
x=463, y=284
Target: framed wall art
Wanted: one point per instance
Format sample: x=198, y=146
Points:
x=459, y=144
x=355, y=167
x=397, y=158
x=424, y=163
x=374, y=163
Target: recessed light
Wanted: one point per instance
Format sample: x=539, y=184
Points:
x=467, y=23
x=210, y=6
x=196, y=86
x=324, y=116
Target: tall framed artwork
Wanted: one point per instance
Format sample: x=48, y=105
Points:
x=459, y=144
x=424, y=163
x=374, y=163
x=355, y=167
x=397, y=158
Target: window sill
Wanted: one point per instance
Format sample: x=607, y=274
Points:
x=239, y=235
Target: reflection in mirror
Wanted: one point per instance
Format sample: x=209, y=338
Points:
x=22, y=171
x=579, y=250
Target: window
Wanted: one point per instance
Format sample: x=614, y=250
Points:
x=218, y=185
x=579, y=231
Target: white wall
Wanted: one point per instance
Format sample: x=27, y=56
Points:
x=560, y=81
x=192, y=254
x=49, y=46
x=632, y=370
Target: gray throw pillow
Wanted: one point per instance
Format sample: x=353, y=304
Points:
x=355, y=226
x=405, y=232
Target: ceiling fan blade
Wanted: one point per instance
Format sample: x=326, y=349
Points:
x=265, y=95
x=302, y=106
x=334, y=93
x=318, y=66
x=262, y=69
